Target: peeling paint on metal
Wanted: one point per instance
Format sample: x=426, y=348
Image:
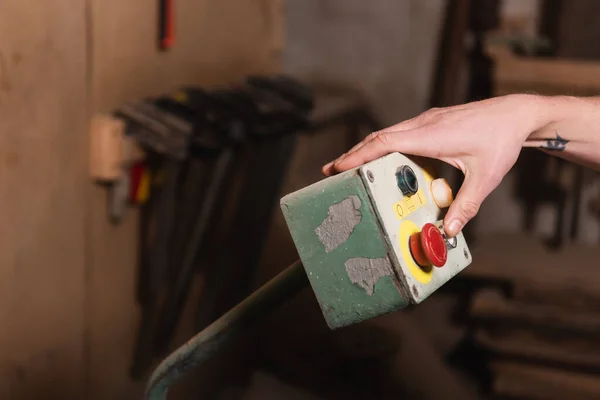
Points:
x=340, y=222
x=366, y=272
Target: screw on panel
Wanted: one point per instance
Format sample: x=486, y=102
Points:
x=370, y=176
x=415, y=291
x=466, y=253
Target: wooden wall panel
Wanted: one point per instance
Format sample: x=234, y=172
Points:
x=42, y=201
x=67, y=277
x=218, y=41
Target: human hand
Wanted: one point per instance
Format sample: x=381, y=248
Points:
x=483, y=139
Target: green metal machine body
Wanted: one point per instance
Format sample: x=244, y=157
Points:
x=358, y=235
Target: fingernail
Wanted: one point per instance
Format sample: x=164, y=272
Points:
x=454, y=227
x=327, y=166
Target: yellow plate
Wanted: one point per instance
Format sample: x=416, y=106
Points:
x=407, y=228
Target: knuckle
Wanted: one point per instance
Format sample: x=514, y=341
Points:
x=432, y=112
x=495, y=180
x=430, y=116
x=384, y=139
x=423, y=117
x=468, y=209
x=372, y=136
x=492, y=177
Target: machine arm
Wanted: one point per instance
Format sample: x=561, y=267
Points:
x=209, y=341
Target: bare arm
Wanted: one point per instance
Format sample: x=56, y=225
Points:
x=570, y=129
x=483, y=139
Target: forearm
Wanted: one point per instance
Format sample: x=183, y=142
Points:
x=568, y=127
x=484, y=138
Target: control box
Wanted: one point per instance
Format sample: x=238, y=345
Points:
x=371, y=239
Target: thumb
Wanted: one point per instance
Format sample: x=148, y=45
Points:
x=466, y=205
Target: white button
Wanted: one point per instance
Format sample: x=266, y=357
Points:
x=441, y=193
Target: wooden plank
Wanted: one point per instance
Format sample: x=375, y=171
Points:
x=42, y=205
x=568, y=276
x=515, y=74
x=218, y=41
x=539, y=346
x=531, y=382
x=507, y=256
x=491, y=305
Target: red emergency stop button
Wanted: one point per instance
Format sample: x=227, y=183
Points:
x=428, y=247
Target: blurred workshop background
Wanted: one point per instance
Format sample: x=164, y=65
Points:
x=120, y=241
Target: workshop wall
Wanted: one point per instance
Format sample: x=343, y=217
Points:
x=126, y=66
x=384, y=48
x=67, y=294
x=42, y=199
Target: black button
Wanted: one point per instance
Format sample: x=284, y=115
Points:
x=407, y=180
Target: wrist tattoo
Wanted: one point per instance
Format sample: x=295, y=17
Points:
x=558, y=144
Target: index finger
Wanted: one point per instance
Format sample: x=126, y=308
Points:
x=415, y=122
x=414, y=142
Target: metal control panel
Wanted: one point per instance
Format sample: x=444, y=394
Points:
x=371, y=239
x=403, y=212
